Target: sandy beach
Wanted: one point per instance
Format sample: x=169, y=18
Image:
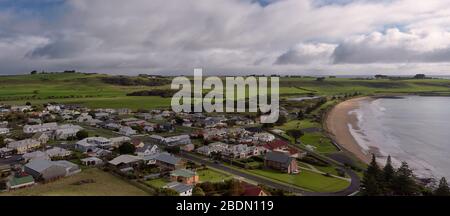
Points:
x=337, y=125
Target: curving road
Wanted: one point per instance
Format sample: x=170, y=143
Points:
x=354, y=185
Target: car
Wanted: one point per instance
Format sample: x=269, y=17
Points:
x=8, y=156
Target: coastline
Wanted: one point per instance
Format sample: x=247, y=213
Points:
x=337, y=124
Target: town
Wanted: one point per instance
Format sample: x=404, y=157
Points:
x=169, y=153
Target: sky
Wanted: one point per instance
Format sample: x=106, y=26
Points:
x=232, y=37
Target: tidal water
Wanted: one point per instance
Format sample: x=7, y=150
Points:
x=413, y=129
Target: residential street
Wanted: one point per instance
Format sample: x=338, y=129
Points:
x=354, y=185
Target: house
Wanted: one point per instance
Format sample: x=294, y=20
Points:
x=167, y=161
x=147, y=149
x=188, y=147
x=43, y=138
x=58, y=152
x=123, y=111
x=264, y=137
x=36, y=155
x=3, y=124
x=4, y=131
x=212, y=148
x=276, y=145
x=253, y=190
x=180, y=188
x=88, y=144
x=84, y=117
x=21, y=180
x=40, y=127
x=184, y=176
x=20, y=108
x=98, y=152
x=50, y=170
x=281, y=161
x=5, y=152
x=101, y=115
x=53, y=108
x=137, y=143
x=240, y=151
x=23, y=146
x=125, y=160
x=118, y=141
x=91, y=161
x=65, y=131
x=127, y=131
x=149, y=128
x=177, y=140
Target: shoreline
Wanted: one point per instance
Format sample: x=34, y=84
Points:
x=337, y=124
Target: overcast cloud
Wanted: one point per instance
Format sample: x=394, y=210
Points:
x=226, y=36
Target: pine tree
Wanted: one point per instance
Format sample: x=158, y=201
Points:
x=442, y=189
x=388, y=176
x=404, y=183
x=371, y=180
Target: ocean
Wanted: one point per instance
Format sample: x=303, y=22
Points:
x=414, y=129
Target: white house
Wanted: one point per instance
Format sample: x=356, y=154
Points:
x=4, y=131
x=182, y=189
x=20, y=108
x=65, y=131
x=127, y=131
x=58, y=152
x=117, y=141
x=53, y=108
x=23, y=146
x=84, y=117
x=40, y=127
x=90, y=143
x=147, y=149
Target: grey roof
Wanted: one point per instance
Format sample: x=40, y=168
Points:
x=168, y=158
x=279, y=157
x=179, y=187
x=39, y=165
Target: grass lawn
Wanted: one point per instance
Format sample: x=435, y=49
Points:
x=105, y=185
x=306, y=179
x=320, y=141
x=157, y=183
x=209, y=175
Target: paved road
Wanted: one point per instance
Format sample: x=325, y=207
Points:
x=354, y=185
x=12, y=160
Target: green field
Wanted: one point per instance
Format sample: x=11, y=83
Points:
x=91, y=91
x=104, y=184
x=157, y=183
x=306, y=179
x=209, y=175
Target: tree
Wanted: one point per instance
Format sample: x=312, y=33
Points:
x=442, y=189
x=82, y=134
x=388, y=175
x=370, y=185
x=198, y=191
x=33, y=72
x=404, y=183
x=127, y=148
x=167, y=192
x=296, y=134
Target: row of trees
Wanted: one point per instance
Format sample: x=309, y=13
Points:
x=388, y=181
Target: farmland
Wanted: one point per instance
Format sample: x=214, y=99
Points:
x=92, y=91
